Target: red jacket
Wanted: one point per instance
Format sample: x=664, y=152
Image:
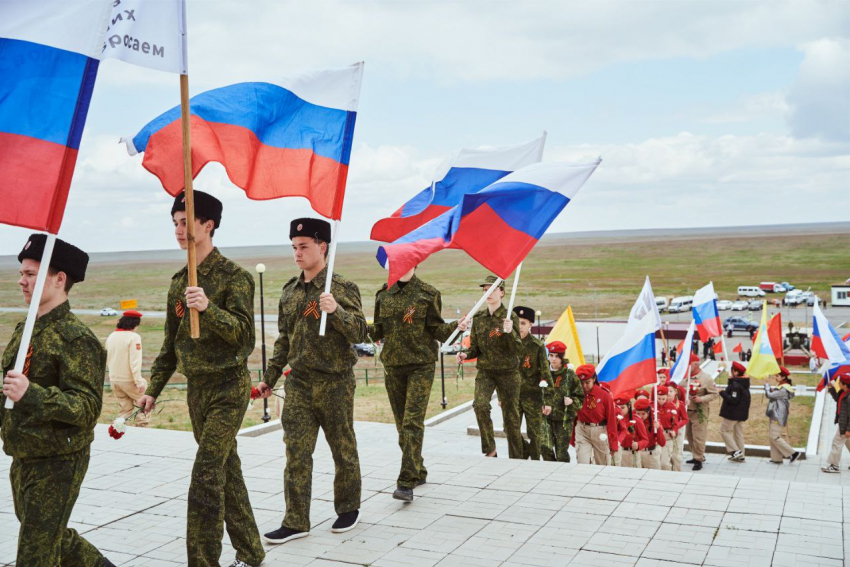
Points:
x=658, y=438
x=626, y=437
x=598, y=407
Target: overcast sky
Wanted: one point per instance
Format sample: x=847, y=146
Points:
x=705, y=113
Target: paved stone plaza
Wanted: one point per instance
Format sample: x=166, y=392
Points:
x=473, y=511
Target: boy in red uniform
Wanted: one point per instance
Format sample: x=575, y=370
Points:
x=632, y=434
x=596, y=423
x=650, y=458
x=676, y=396
x=668, y=417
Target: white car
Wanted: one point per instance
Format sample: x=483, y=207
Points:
x=724, y=305
x=108, y=312
x=740, y=306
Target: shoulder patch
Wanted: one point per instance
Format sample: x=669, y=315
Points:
x=290, y=282
x=384, y=288
x=428, y=288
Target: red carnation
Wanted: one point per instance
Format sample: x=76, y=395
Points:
x=114, y=433
x=255, y=393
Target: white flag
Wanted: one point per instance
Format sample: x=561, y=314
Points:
x=645, y=305
x=148, y=33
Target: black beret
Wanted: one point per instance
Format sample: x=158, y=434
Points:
x=526, y=313
x=313, y=228
x=66, y=257
x=206, y=206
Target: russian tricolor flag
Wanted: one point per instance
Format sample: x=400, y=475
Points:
x=683, y=360
x=497, y=226
x=706, y=315
x=827, y=343
x=283, y=139
x=48, y=64
x=469, y=171
x=630, y=363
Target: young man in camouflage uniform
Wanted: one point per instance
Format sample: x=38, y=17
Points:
x=320, y=389
x=563, y=400
x=533, y=367
x=219, y=386
x=58, y=398
x=408, y=319
x=496, y=344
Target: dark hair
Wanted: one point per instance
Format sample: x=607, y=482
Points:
x=559, y=355
x=319, y=241
x=787, y=379
x=128, y=323
x=202, y=220
x=69, y=281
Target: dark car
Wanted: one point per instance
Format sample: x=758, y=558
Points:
x=740, y=325
x=364, y=349
x=755, y=305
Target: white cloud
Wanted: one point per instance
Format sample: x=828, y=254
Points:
x=820, y=97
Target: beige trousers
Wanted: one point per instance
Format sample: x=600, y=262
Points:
x=589, y=444
x=732, y=433
x=665, y=455
x=837, y=442
x=651, y=459
x=677, y=453
x=779, y=447
x=697, y=435
x=626, y=458
x=127, y=394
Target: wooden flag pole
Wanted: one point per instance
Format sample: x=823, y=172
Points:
x=32, y=312
x=194, y=322
x=329, y=278
x=475, y=309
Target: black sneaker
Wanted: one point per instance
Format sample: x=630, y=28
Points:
x=346, y=521
x=697, y=466
x=108, y=563
x=403, y=494
x=775, y=462
x=283, y=535
x=692, y=462
x=737, y=455
x=795, y=456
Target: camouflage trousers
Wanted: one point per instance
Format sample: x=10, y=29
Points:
x=558, y=447
x=217, y=492
x=315, y=400
x=409, y=389
x=531, y=406
x=506, y=384
x=44, y=491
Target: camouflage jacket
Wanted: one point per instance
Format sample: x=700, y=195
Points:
x=494, y=349
x=533, y=366
x=299, y=343
x=227, y=326
x=564, y=383
x=409, y=322
x=66, y=367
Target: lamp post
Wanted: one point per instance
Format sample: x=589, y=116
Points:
x=538, y=313
x=260, y=269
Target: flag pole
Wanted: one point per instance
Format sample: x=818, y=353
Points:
x=329, y=278
x=195, y=327
x=513, y=289
x=32, y=312
x=475, y=309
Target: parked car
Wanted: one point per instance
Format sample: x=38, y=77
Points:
x=108, y=312
x=794, y=297
x=739, y=325
x=750, y=291
x=810, y=301
x=740, y=305
x=724, y=305
x=755, y=305
x=364, y=349
x=680, y=304
x=662, y=304
x=787, y=286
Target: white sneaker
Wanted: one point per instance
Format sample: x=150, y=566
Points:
x=831, y=469
x=238, y=563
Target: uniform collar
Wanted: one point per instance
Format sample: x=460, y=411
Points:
x=210, y=262
x=397, y=289
x=501, y=312
x=529, y=338
x=318, y=280
x=52, y=316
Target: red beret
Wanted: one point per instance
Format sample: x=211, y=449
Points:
x=739, y=367
x=663, y=391
x=844, y=379
x=640, y=393
x=586, y=371
x=556, y=347
x=694, y=358
x=132, y=313
x=784, y=371
x=643, y=404
x=663, y=371
x=622, y=400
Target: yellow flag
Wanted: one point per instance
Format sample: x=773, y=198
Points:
x=565, y=331
x=763, y=362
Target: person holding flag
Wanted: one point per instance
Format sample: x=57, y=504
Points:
x=562, y=400
x=840, y=391
x=701, y=392
x=408, y=319
x=778, y=412
x=496, y=343
x=320, y=389
x=734, y=411
x=533, y=368
x=632, y=438
x=650, y=457
x=218, y=385
x=58, y=397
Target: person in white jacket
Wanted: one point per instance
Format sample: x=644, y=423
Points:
x=124, y=361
